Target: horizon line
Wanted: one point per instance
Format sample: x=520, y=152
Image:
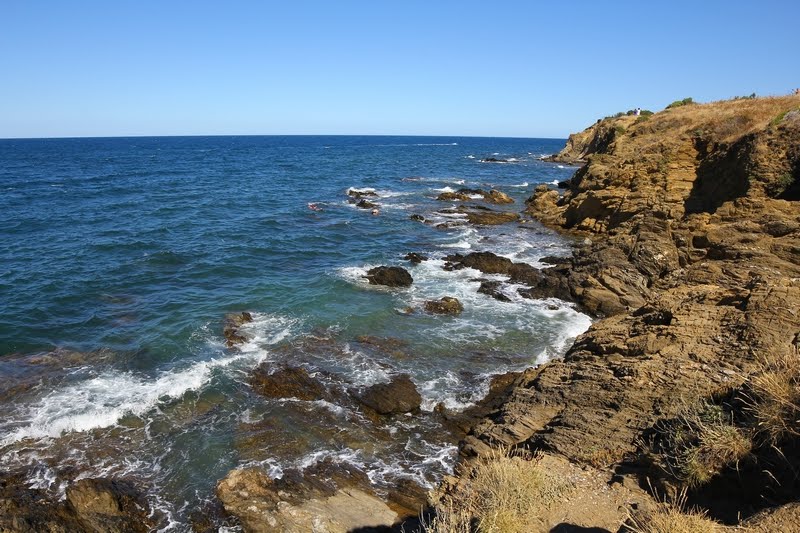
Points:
x=65, y=137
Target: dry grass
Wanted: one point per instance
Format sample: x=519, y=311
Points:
x=720, y=445
x=505, y=494
x=723, y=121
x=702, y=443
x=671, y=518
x=774, y=399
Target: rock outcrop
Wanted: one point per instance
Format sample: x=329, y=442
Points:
x=231, y=327
x=691, y=252
x=91, y=504
x=446, y=305
x=398, y=396
x=389, y=276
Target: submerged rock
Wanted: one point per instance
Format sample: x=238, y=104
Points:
x=445, y=306
x=492, y=288
x=287, y=382
x=490, y=218
x=366, y=204
x=391, y=276
x=493, y=160
x=231, y=325
x=398, y=396
x=360, y=194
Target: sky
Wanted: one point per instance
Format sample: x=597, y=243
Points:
x=454, y=68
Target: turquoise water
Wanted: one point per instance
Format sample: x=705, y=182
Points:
x=120, y=257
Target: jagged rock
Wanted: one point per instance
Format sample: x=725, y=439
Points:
x=417, y=217
x=497, y=197
x=91, y=504
x=390, y=276
x=286, y=382
x=231, y=325
x=415, y=257
x=395, y=397
x=447, y=305
x=492, y=288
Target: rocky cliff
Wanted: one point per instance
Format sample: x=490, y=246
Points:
x=691, y=254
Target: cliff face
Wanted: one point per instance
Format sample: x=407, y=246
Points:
x=692, y=255
x=596, y=138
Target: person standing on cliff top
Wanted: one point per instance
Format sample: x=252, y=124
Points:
x=637, y=111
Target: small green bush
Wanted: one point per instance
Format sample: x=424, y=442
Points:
x=679, y=103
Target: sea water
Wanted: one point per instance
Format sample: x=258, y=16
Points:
x=120, y=257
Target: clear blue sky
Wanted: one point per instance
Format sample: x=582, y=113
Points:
x=516, y=68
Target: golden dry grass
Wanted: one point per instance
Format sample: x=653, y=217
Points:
x=774, y=400
x=720, y=445
x=505, y=494
x=670, y=518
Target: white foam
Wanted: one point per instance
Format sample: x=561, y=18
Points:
x=523, y=184
x=445, y=189
x=361, y=190
x=105, y=399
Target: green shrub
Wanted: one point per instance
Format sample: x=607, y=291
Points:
x=679, y=103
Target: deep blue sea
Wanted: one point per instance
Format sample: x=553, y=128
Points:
x=120, y=257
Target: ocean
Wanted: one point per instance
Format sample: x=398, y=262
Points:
x=120, y=257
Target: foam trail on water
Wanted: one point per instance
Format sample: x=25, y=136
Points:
x=105, y=399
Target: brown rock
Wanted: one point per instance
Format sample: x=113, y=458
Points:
x=286, y=382
x=447, y=305
x=390, y=276
x=497, y=197
x=231, y=325
x=395, y=397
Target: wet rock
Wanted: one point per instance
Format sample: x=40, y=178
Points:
x=490, y=218
x=486, y=262
x=417, y=217
x=415, y=257
x=231, y=325
x=493, y=160
x=492, y=288
x=95, y=505
x=453, y=197
x=497, y=197
x=395, y=397
x=554, y=260
x=391, y=276
x=360, y=194
x=407, y=497
x=286, y=382
x=302, y=502
x=366, y=204
x=447, y=305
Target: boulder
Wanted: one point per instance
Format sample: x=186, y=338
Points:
x=398, y=396
x=390, y=276
x=444, y=306
x=231, y=325
x=417, y=217
x=286, y=382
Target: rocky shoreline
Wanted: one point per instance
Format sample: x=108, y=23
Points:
x=692, y=255
x=687, y=233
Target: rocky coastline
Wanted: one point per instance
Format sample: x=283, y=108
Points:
x=687, y=252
